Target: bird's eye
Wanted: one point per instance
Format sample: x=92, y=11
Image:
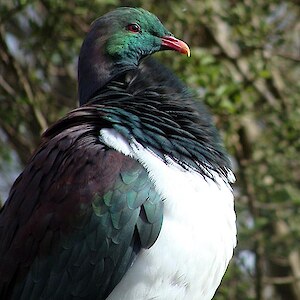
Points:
x=134, y=28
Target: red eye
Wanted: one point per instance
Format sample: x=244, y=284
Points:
x=134, y=28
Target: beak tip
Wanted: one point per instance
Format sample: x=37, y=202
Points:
x=186, y=50
x=172, y=43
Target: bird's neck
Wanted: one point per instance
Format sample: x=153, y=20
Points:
x=96, y=69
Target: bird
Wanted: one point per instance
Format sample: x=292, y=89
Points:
x=129, y=195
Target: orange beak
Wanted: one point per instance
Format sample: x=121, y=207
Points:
x=171, y=43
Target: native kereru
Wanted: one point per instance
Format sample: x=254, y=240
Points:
x=127, y=197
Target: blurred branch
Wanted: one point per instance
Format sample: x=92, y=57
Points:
x=5, y=85
x=220, y=32
x=280, y=280
x=6, y=14
x=23, y=146
x=12, y=65
x=288, y=56
x=244, y=155
x=282, y=230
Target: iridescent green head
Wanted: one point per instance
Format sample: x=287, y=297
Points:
x=137, y=33
x=116, y=42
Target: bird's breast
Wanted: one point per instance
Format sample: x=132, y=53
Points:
x=196, y=241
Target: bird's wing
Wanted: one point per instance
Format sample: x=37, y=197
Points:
x=75, y=218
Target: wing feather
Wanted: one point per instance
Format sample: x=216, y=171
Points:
x=75, y=218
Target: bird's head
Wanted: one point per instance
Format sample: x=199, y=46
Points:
x=136, y=33
x=117, y=42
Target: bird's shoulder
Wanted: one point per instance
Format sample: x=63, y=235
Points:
x=80, y=200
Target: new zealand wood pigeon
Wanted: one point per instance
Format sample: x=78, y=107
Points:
x=128, y=196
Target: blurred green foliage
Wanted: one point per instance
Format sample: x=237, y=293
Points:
x=244, y=66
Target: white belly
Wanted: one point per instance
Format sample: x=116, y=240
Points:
x=196, y=241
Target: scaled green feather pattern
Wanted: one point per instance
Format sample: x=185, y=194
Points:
x=85, y=232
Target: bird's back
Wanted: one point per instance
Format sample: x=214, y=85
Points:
x=131, y=170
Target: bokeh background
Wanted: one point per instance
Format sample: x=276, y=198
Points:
x=245, y=66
